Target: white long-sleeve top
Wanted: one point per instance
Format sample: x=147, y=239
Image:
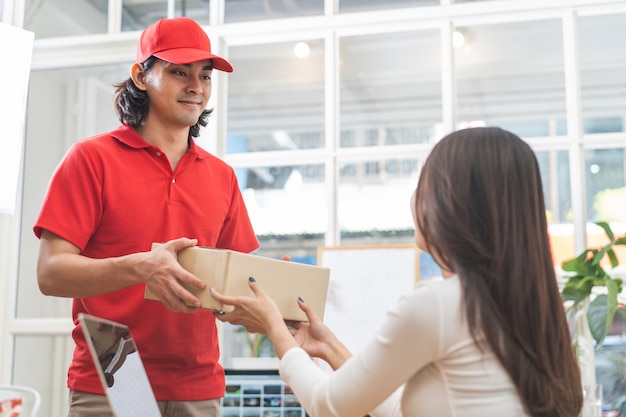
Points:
x=422, y=362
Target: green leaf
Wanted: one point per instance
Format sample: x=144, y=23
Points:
x=613, y=287
x=597, y=317
x=577, y=288
x=577, y=264
x=587, y=274
x=612, y=257
x=602, y=310
x=607, y=230
x=599, y=255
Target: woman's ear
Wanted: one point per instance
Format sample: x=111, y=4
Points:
x=138, y=75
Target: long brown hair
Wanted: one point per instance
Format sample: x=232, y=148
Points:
x=481, y=212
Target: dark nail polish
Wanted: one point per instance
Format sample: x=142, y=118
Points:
x=300, y=299
x=251, y=279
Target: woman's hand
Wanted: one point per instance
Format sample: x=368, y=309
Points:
x=258, y=314
x=317, y=339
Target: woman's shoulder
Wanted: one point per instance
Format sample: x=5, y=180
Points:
x=431, y=294
x=438, y=285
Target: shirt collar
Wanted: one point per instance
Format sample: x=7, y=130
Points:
x=128, y=135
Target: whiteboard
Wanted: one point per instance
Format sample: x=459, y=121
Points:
x=365, y=281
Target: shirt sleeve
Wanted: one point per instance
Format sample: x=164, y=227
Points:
x=408, y=340
x=72, y=207
x=237, y=232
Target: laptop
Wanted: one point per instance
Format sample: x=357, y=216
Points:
x=120, y=368
x=249, y=393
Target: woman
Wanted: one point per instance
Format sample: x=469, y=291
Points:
x=491, y=339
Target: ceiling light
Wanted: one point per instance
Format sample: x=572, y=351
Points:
x=458, y=39
x=301, y=50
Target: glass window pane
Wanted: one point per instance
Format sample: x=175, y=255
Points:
x=276, y=100
x=41, y=362
x=288, y=208
x=605, y=173
x=606, y=191
x=390, y=89
x=373, y=201
x=555, y=175
x=199, y=10
x=511, y=75
x=52, y=18
x=64, y=106
x=603, y=72
x=244, y=10
x=361, y=5
x=139, y=14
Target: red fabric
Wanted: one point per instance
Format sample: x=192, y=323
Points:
x=179, y=40
x=14, y=407
x=115, y=194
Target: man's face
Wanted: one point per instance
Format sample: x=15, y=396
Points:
x=178, y=93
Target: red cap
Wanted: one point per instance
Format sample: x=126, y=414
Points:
x=179, y=40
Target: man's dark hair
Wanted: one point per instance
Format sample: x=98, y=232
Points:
x=132, y=104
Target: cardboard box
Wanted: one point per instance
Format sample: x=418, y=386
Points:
x=228, y=271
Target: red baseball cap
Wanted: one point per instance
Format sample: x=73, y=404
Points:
x=179, y=40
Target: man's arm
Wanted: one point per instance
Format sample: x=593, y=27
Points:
x=63, y=272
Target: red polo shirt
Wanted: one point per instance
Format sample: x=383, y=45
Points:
x=115, y=194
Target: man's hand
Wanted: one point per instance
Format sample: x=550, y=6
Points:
x=62, y=271
x=164, y=276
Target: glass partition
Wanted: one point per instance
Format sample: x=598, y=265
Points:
x=373, y=200
x=390, y=89
x=276, y=97
x=53, y=18
x=555, y=174
x=247, y=10
x=603, y=72
x=362, y=5
x=606, y=187
x=511, y=75
x=41, y=362
x=605, y=171
x=64, y=106
x=139, y=14
x=605, y=176
x=288, y=208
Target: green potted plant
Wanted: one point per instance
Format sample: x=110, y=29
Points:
x=260, y=351
x=259, y=344
x=588, y=273
x=592, y=294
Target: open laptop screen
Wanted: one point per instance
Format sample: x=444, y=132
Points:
x=249, y=393
x=120, y=368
